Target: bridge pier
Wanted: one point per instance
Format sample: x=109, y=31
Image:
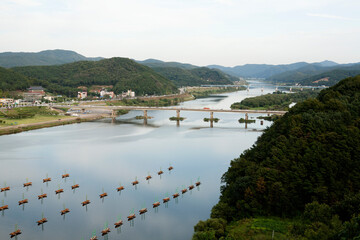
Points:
x=211, y=116
x=113, y=113
x=145, y=114
x=178, y=114
x=246, y=118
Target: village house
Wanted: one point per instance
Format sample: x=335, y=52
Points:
x=104, y=93
x=34, y=93
x=36, y=89
x=129, y=94
x=49, y=98
x=82, y=95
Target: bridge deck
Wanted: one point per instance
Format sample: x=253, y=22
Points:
x=172, y=109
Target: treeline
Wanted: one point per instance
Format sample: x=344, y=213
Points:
x=305, y=167
x=274, y=101
x=65, y=79
x=196, y=76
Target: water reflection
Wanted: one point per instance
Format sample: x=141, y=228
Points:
x=104, y=156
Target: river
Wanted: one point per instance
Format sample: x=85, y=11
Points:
x=101, y=155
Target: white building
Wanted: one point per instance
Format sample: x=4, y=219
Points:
x=104, y=93
x=49, y=98
x=82, y=95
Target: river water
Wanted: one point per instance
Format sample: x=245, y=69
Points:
x=101, y=155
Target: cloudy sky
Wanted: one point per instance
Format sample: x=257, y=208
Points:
x=202, y=32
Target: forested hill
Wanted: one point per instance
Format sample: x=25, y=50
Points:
x=196, y=76
x=48, y=57
x=183, y=74
x=154, y=63
x=122, y=73
x=317, y=75
x=11, y=81
x=306, y=166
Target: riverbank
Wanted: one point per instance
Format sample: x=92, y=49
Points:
x=61, y=120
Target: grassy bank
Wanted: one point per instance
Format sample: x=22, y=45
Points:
x=30, y=118
x=45, y=124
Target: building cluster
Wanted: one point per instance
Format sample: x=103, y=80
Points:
x=33, y=94
x=103, y=93
x=36, y=94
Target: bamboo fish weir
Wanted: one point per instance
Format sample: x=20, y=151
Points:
x=65, y=211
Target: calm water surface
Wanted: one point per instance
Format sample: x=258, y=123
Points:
x=101, y=155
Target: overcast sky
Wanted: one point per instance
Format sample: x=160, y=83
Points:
x=201, y=32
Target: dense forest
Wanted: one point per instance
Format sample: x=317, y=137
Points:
x=274, y=101
x=305, y=168
x=122, y=73
x=195, y=77
x=11, y=81
x=182, y=74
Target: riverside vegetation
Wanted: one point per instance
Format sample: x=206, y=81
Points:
x=301, y=178
x=203, y=92
x=275, y=101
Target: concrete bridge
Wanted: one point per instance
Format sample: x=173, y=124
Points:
x=113, y=109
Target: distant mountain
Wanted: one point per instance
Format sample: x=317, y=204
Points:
x=258, y=70
x=315, y=74
x=182, y=74
x=154, y=63
x=121, y=73
x=296, y=76
x=320, y=73
x=48, y=57
x=332, y=77
x=326, y=63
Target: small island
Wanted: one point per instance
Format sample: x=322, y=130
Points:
x=211, y=120
x=242, y=120
x=177, y=118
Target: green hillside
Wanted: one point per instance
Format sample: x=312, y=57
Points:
x=10, y=80
x=308, y=75
x=122, y=73
x=305, y=167
x=183, y=74
x=48, y=57
x=154, y=63
x=195, y=77
x=333, y=76
x=296, y=76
